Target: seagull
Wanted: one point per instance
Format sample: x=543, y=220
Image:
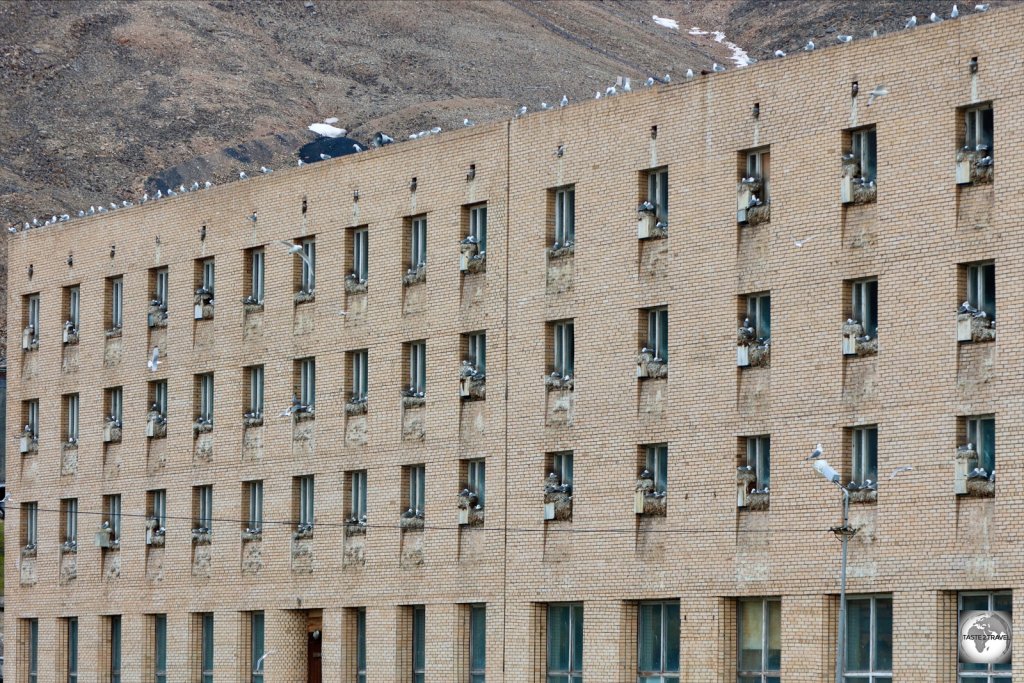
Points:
x=717, y=68
x=626, y=87
x=899, y=470
x=668, y=77
x=194, y=186
x=259, y=662
x=818, y=452
x=649, y=82
x=911, y=22
x=597, y=95
x=545, y=106
x=356, y=147
x=981, y=8
x=435, y=130
x=264, y=169
x=689, y=73
x=800, y=243
x=207, y=185
x=296, y=249
x=467, y=122
x=521, y=111
x=241, y=176
x=154, y=359
x=611, y=90
x=253, y=217
x=879, y=91
x=844, y=38
x=324, y=157
x=809, y=46
x=955, y=13
x=565, y=101
x=934, y=18
x=381, y=139
x=780, y=53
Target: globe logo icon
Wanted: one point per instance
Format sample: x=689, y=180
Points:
x=985, y=637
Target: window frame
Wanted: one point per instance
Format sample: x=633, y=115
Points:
x=565, y=215
x=257, y=646
x=254, y=495
x=656, y=462
x=657, y=192
x=575, y=620
x=32, y=417
x=160, y=396
x=204, y=507
x=115, y=403
x=361, y=253
x=416, y=491
x=257, y=274
x=70, y=513
x=864, y=454
x=161, y=286
x=158, y=507
x=981, y=278
x=116, y=302
x=359, y=386
x=33, y=303
x=114, y=627
x=988, y=674
x=113, y=512
x=30, y=513
x=159, y=648
x=418, y=366
x=477, y=650
x=562, y=465
x=873, y=674
x=977, y=428
x=72, y=403
x=864, y=145
x=307, y=500
x=665, y=672
x=476, y=478
x=74, y=293
x=357, y=481
x=478, y=225
x=417, y=643
x=759, y=457
x=974, y=128
x=206, y=660
x=657, y=332
x=206, y=396
x=864, y=304
x=758, y=165
x=307, y=272
x=307, y=381
x=476, y=350
x=759, y=309
x=257, y=376
x=32, y=665
x=765, y=673
x=417, y=242
x=360, y=627
x=71, y=633
x=563, y=345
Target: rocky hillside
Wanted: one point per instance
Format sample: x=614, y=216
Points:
x=103, y=98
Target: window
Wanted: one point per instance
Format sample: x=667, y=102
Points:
x=656, y=462
x=868, y=657
x=305, y=500
x=256, y=374
x=759, y=640
x=256, y=263
x=416, y=493
x=657, y=333
x=202, y=501
x=758, y=168
x=419, y=650
x=360, y=628
x=969, y=672
x=160, y=287
x=477, y=643
x=72, y=298
x=158, y=391
x=158, y=507
x=476, y=479
x=307, y=382
x=759, y=312
x=478, y=227
x=31, y=410
x=563, y=346
x=160, y=648
x=360, y=369
x=115, y=301
x=418, y=242
x=981, y=431
x=981, y=288
x=357, y=495
x=30, y=525
x=865, y=454
x=657, y=192
x=759, y=457
x=658, y=642
x=114, y=624
x=360, y=254
x=476, y=350
x=69, y=511
x=418, y=367
x=256, y=646
x=207, y=275
x=561, y=465
x=115, y=405
x=865, y=152
x=71, y=624
x=254, y=494
x=112, y=505
x=565, y=643
x=206, y=634
x=864, y=295
x=978, y=129
x=32, y=317
x=71, y=418
x=32, y=649
x=307, y=274
x=204, y=385
x=565, y=216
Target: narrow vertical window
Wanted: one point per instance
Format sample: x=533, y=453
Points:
x=657, y=465
x=360, y=255
x=206, y=665
x=565, y=217
x=477, y=350
x=565, y=643
x=257, y=654
x=115, y=405
x=257, y=271
x=360, y=617
x=865, y=152
x=759, y=315
x=981, y=432
x=418, y=243
x=759, y=458
x=865, y=455
x=71, y=624
x=30, y=525
x=477, y=643
x=74, y=304
x=657, y=333
x=33, y=650
x=255, y=512
x=478, y=226
x=115, y=648
x=563, y=342
x=204, y=509
x=419, y=650
x=307, y=382
x=864, y=296
x=205, y=387
x=759, y=170
x=307, y=277
x=71, y=407
x=30, y=335
x=158, y=508
x=360, y=369
x=981, y=288
x=160, y=648
x=476, y=479
x=416, y=493
x=305, y=501
x=32, y=419
x=868, y=657
x=418, y=367
x=357, y=493
x=256, y=375
x=116, y=302
x=161, y=288
x=70, y=510
x=657, y=192
x=113, y=520
x=658, y=642
x=759, y=636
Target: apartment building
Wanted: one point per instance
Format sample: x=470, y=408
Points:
x=532, y=401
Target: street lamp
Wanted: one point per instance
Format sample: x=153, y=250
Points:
x=844, y=533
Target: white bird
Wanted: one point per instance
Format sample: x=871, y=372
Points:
x=241, y=176
x=934, y=18
x=610, y=90
x=780, y=53
x=565, y=101
x=356, y=147
x=327, y=130
x=545, y=106
x=818, y=451
x=154, y=359
x=800, y=243
x=903, y=468
x=597, y=95
x=296, y=249
x=207, y=185
x=667, y=78
x=717, y=68
x=259, y=662
x=879, y=91
x=844, y=38
x=467, y=122
x=324, y=157
x=981, y=8
x=626, y=86
x=809, y=46
x=253, y=217
x=689, y=73
x=911, y=22
x=649, y=82
x=264, y=169
x=955, y=13
x=521, y=111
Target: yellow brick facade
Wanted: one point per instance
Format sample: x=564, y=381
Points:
x=919, y=543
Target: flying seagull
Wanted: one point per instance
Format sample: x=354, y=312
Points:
x=896, y=472
x=154, y=359
x=800, y=243
x=296, y=249
x=879, y=91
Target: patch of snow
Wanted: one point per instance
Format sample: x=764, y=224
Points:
x=739, y=55
x=667, y=23
x=327, y=130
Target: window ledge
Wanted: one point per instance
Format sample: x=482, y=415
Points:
x=304, y=297
x=555, y=381
x=561, y=251
x=252, y=306
x=411, y=523
x=415, y=277
x=413, y=401
x=250, y=535
x=252, y=421
x=353, y=286
x=980, y=488
x=356, y=407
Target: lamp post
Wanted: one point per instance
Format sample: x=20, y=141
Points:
x=844, y=533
